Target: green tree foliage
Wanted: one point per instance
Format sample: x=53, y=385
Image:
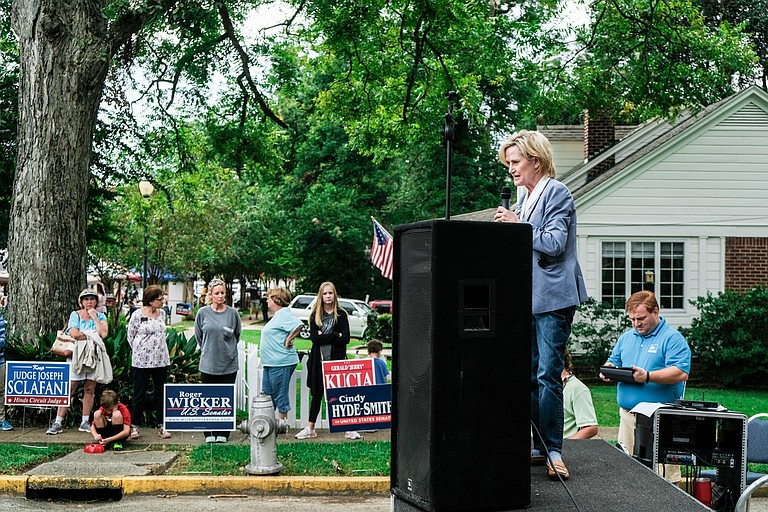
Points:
x=637, y=60
x=753, y=14
x=385, y=72
x=202, y=220
x=729, y=335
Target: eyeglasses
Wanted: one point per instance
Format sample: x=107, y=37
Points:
x=160, y=299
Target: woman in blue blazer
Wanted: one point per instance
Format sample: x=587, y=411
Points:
x=558, y=284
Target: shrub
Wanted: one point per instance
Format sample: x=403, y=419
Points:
x=730, y=335
x=379, y=327
x=600, y=325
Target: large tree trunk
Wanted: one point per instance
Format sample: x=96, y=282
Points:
x=62, y=71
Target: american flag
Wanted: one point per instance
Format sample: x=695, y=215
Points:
x=381, y=250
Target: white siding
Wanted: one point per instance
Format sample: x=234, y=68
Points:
x=567, y=154
x=707, y=183
x=714, y=184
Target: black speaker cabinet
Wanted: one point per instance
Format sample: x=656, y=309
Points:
x=461, y=366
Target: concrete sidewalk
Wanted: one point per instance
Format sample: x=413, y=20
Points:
x=140, y=468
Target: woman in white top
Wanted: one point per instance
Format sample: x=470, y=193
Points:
x=150, y=358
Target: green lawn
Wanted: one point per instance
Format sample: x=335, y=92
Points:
x=361, y=458
x=747, y=402
x=16, y=458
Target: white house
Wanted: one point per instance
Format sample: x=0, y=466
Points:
x=679, y=209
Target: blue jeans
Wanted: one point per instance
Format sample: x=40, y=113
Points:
x=550, y=331
x=275, y=382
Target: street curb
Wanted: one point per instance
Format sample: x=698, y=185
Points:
x=176, y=485
x=13, y=484
x=283, y=485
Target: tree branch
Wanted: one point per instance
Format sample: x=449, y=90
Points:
x=229, y=31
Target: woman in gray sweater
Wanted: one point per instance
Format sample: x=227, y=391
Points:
x=217, y=331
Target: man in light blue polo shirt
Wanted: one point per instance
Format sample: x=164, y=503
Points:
x=660, y=359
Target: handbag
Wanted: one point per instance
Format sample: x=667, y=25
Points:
x=63, y=344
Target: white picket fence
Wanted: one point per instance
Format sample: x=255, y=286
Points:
x=248, y=384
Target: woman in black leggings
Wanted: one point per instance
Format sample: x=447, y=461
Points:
x=329, y=332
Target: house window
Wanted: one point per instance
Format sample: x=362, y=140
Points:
x=628, y=267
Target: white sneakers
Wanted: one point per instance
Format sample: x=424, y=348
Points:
x=306, y=433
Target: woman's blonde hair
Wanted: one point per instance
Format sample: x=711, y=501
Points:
x=533, y=145
x=280, y=296
x=211, y=285
x=317, y=309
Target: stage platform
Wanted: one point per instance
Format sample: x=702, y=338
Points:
x=603, y=478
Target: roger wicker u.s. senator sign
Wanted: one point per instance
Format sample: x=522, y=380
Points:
x=195, y=407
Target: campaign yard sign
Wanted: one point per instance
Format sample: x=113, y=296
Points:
x=360, y=407
x=196, y=407
x=37, y=384
x=354, y=399
x=348, y=372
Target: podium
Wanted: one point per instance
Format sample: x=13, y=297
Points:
x=461, y=366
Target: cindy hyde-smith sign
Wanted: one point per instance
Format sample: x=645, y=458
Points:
x=360, y=407
x=354, y=399
x=195, y=407
x=37, y=384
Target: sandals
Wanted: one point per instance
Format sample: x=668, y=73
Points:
x=558, y=469
x=162, y=433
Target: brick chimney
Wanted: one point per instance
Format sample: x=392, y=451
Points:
x=599, y=135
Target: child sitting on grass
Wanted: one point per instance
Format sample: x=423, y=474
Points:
x=112, y=422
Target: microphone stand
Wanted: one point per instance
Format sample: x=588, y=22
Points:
x=451, y=96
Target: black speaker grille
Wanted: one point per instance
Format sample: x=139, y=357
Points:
x=415, y=360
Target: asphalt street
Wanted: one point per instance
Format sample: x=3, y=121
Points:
x=170, y=503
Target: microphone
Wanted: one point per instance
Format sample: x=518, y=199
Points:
x=506, y=195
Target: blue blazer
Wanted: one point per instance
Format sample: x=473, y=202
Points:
x=557, y=279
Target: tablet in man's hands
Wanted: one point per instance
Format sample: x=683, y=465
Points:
x=618, y=373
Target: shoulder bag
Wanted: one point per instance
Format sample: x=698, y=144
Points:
x=63, y=344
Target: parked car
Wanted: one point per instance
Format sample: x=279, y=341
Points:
x=357, y=312
x=381, y=306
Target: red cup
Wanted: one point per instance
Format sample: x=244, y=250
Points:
x=702, y=491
